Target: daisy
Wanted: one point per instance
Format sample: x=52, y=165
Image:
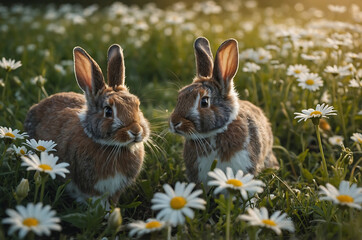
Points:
x=336, y=140
x=36, y=218
x=177, y=203
x=357, y=137
x=340, y=71
x=238, y=182
x=277, y=222
x=12, y=134
x=140, y=228
x=296, y=70
x=251, y=67
x=321, y=111
x=336, y=8
x=10, y=64
x=41, y=146
x=345, y=195
x=47, y=163
x=354, y=83
x=310, y=81
x=20, y=151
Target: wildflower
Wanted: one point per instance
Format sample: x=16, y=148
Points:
x=345, y=195
x=38, y=80
x=177, y=203
x=11, y=134
x=238, y=182
x=357, y=137
x=321, y=111
x=336, y=8
x=354, y=83
x=41, y=145
x=60, y=69
x=310, y=81
x=10, y=64
x=19, y=151
x=140, y=227
x=277, y=222
x=251, y=67
x=47, y=163
x=261, y=56
x=22, y=190
x=36, y=218
x=115, y=219
x=340, y=71
x=296, y=70
x=336, y=140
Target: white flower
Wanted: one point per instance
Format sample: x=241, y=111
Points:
x=47, y=163
x=20, y=151
x=310, y=81
x=251, y=67
x=36, y=218
x=357, y=137
x=10, y=64
x=321, y=111
x=336, y=140
x=239, y=182
x=12, y=134
x=38, y=80
x=336, y=8
x=177, y=203
x=60, y=69
x=41, y=145
x=354, y=83
x=141, y=228
x=340, y=70
x=277, y=222
x=296, y=70
x=261, y=56
x=345, y=195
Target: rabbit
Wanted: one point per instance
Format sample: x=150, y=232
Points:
x=100, y=133
x=215, y=123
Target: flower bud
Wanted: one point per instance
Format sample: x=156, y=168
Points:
x=37, y=178
x=115, y=219
x=22, y=190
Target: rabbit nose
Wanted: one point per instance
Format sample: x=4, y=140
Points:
x=174, y=126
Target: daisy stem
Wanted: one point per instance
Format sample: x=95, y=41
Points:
x=169, y=232
x=4, y=153
x=5, y=86
x=256, y=101
x=340, y=113
x=43, y=181
x=324, y=164
x=228, y=208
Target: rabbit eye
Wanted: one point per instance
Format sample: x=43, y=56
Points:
x=204, y=103
x=108, y=111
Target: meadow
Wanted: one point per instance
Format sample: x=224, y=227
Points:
x=292, y=58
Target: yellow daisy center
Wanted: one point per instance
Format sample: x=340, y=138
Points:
x=178, y=202
x=261, y=57
x=153, y=224
x=41, y=148
x=297, y=71
x=234, y=182
x=45, y=167
x=22, y=152
x=309, y=82
x=8, y=134
x=345, y=199
x=269, y=222
x=30, y=222
x=315, y=113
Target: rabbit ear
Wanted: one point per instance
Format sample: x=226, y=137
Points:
x=88, y=73
x=226, y=64
x=115, y=69
x=204, y=57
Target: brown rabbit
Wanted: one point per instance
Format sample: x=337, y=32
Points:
x=216, y=124
x=99, y=133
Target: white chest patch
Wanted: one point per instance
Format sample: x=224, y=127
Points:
x=112, y=184
x=240, y=160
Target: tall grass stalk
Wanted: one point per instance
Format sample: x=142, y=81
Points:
x=324, y=164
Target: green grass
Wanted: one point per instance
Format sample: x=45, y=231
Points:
x=160, y=58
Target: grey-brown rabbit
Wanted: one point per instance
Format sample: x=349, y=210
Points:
x=215, y=123
x=99, y=133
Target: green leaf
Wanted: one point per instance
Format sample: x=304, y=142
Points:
x=301, y=157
